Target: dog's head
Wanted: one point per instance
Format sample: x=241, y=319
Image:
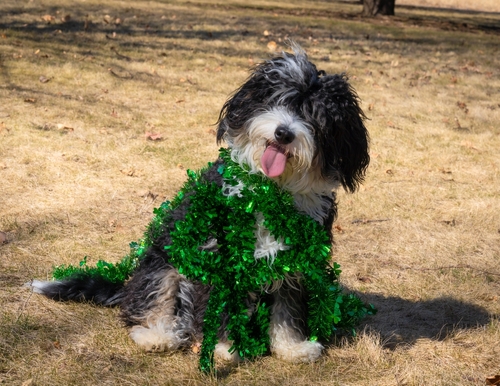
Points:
x=289, y=118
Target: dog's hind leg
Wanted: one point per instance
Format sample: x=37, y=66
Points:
x=149, y=305
x=288, y=326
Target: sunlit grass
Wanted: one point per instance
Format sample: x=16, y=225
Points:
x=80, y=177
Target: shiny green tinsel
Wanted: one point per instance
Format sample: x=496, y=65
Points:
x=233, y=271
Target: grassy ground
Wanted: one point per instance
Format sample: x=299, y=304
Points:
x=105, y=106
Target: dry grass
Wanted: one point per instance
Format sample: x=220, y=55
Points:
x=477, y=5
x=421, y=240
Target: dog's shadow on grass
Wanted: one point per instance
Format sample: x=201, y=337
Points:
x=401, y=321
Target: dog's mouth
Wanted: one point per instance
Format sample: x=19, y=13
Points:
x=273, y=160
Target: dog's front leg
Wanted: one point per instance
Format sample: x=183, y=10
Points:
x=288, y=325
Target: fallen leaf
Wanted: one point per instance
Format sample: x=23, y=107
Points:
x=3, y=238
x=180, y=166
x=30, y=100
x=494, y=380
x=128, y=172
x=147, y=194
x=107, y=19
x=196, y=347
x=65, y=128
x=153, y=136
x=44, y=79
x=266, y=33
x=363, y=279
x=48, y=18
x=389, y=171
x=57, y=344
x=338, y=228
x=272, y=46
x=66, y=18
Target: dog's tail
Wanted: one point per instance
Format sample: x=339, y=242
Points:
x=102, y=284
x=80, y=288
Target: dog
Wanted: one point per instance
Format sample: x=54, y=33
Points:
x=290, y=123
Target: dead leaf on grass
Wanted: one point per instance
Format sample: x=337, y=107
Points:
x=57, y=344
x=147, y=194
x=48, y=18
x=124, y=74
x=64, y=128
x=129, y=172
x=153, y=136
x=66, y=18
x=363, y=279
x=4, y=239
x=463, y=106
x=44, y=79
x=494, y=380
x=30, y=100
x=272, y=46
x=196, y=347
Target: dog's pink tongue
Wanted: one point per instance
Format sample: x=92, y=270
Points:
x=273, y=161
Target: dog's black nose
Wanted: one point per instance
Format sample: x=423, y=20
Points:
x=283, y=135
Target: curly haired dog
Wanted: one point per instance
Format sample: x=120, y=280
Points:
x=291, y=123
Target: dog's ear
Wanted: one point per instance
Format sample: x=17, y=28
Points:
x=245, y=101
x=343, y=137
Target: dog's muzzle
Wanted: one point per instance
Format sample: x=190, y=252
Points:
x=273, y=160
x=284, y=135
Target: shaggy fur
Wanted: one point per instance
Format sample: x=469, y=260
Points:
x=292, y=123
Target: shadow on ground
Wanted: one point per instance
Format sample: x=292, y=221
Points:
x=401, y=321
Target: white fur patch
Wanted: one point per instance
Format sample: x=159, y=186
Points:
x=38, y=286
x=229, y=190
x=222, y=352
x=266, y=245
x=156, y=337
x=287, y=345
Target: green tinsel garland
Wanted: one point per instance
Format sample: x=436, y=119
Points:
x=233, y=271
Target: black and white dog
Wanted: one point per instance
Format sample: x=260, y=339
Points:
x=292, y=123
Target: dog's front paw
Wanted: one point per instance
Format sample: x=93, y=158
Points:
x=222, y=352
x=296, y=352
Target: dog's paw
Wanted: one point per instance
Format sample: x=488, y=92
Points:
x=151, y=339
x=222, y=352
x=305, y=351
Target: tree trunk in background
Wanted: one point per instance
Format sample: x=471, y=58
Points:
x=378, y=7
